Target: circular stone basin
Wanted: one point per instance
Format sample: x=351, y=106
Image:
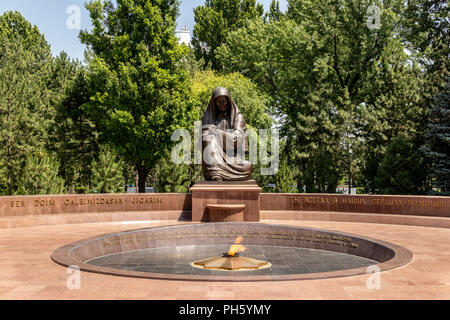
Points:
x=294, y=253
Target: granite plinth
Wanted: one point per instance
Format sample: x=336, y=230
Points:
x=245, y=193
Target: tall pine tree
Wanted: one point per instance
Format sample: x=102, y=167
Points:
x=438, y=140
x=40, y=175
x=26, y=112
x=75, y=136
x=107, y=172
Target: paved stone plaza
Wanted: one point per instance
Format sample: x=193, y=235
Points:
x=29, y=273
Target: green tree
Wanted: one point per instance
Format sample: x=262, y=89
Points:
x=322, y=64
x=395, y=104
x=138, y=86
x=351, y=148
x=438, y=140
x=192, y=65
x=285, y=178
x=75, y=136
x=425, y=27
x=107, y=172
x=274, y=14
x=172, y=177
x=3, y=177
x=40, y=175
x=402, y=170
x=26, y=111
x=215, y=19
x=276, y=56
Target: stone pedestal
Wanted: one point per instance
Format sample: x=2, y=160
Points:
x=242, y=193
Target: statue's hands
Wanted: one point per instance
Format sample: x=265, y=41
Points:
x=215, y=130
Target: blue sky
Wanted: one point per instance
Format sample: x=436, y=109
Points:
x=51, y=16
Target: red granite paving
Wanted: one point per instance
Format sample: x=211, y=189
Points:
x=27, y=272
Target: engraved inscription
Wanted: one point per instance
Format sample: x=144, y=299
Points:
x=353, y=201
x=93, y=201
x=305, y=201
x=408, y=203
x=44, y=203
x=146, y=200
x=17, y=204
x=276, y=235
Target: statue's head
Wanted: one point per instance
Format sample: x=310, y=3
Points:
x=221, y=99
x=222, y=103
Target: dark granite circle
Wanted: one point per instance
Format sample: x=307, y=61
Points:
x=284, y=260
x=296, y=253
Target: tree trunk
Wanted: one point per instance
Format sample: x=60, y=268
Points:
x=349, y=180
x=142, y=178
x=137, y=180
x=9, y=151
x=9, y=182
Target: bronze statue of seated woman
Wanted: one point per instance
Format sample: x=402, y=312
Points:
x=224, y=140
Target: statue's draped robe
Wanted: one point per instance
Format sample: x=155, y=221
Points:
x=218, y=131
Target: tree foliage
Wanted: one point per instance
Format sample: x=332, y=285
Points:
x=401, y=171
x=75, y=135
x=437, y=145
x=285, y=178
x=355, y=101
x=26, y=112
x=107, y=172
x=139, y=90
x=214, y=20
x=332, y=78
x=176, y=178
x=40, y=175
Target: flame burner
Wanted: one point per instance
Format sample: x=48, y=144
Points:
x=227, y=255
x=231, y=263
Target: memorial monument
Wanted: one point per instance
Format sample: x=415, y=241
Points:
x=227, y=194
x=224, y=140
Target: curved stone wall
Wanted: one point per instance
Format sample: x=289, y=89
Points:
x=388, y=204
x=57, y=204
x=20, y=211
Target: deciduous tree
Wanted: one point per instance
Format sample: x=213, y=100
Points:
x=214, y=20
x=138, y=87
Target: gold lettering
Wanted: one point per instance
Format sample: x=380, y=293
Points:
x=144, y=200
x=44, y=203
x=17, y=204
